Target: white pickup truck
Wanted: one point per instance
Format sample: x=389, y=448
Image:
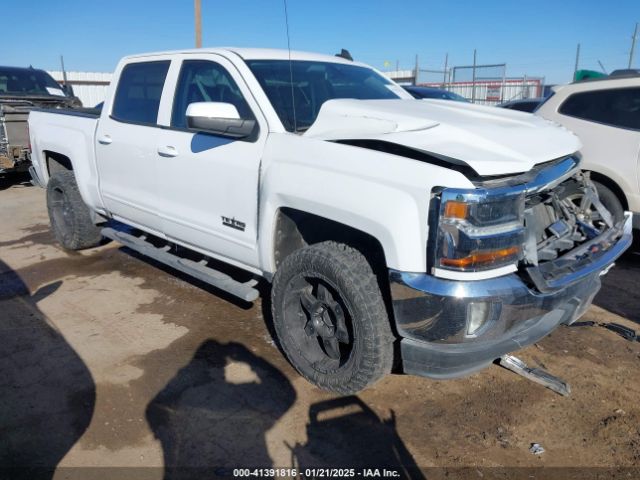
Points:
x=437, y=234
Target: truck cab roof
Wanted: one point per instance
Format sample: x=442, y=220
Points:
x=252, y=54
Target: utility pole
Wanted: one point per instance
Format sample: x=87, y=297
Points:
x=575, y=69
x=633, y=45
x=198, y=21
x=415, y=78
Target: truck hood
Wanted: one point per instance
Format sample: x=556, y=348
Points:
x=490, y=140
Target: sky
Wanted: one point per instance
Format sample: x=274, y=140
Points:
x=533, y=37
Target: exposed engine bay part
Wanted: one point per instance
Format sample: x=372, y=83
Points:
x=561, y=219
x=537, y=375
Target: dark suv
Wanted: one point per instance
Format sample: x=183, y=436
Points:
x=22, y=90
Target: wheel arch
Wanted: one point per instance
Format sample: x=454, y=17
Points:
x=56, y=162
x=295, y=229
x=611, y=185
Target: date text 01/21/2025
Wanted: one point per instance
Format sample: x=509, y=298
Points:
x=317, y=472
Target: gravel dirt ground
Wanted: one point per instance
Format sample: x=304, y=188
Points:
x=110, y=360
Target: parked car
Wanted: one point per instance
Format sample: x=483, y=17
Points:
x=523, y=104
x=445, y=230
x=430, y=92
x=605, y=114
x=22, y=90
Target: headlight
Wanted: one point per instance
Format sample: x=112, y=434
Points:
x=479, y=229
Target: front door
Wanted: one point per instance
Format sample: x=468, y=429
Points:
x=207, y=188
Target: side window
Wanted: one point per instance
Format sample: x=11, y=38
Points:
x=139, y=90
x=618, y=107
x=205, y=81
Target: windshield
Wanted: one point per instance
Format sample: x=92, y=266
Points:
x=26, y=81
x=313, y=84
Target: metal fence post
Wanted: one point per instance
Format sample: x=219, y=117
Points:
x=473, y=82
x=504, y=80
x=444, y=78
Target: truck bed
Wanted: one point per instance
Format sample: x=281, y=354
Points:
x=70, y=133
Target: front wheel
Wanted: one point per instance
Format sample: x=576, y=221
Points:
x=330, y=318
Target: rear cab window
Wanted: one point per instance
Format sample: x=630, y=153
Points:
x=616, y=107
x=137, y=98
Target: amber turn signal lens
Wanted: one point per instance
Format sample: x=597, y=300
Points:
x=454, y=209
x=481, y=258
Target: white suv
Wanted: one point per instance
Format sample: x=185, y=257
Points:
x=605, y=114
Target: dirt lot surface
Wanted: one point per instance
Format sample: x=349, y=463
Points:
x=107, y=359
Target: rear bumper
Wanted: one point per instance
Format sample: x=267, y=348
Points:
x=434, y=316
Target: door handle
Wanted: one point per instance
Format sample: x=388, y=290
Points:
x=167, y=151
x=105, y=140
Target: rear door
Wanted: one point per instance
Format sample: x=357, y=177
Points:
x=207, y=185
x=126, y=141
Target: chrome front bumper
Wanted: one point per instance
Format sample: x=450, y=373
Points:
x=432, y=315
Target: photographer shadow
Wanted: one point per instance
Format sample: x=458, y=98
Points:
x=214, y=414
x=346, y=433
x=47, y=394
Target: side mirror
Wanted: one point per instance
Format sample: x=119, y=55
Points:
x=218, y=118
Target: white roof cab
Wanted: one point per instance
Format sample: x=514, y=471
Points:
x=446, y=230
x=605, y=114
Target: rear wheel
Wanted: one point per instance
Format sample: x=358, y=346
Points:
x=330, y=318
x=69, y=216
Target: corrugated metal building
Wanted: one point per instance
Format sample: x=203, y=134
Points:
x=89, y=87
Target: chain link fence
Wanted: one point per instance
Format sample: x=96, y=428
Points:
x=481, y=84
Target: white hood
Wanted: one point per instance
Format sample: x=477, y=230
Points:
x=492, y=141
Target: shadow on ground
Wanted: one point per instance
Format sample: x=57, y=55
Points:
x=344, y=432
x=47, y=394
x=213, y=416
x=217, y=410
x=10, y=179
x=620, y=291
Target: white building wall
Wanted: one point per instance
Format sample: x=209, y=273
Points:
x=89, y=87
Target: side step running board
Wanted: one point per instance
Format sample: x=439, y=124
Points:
x=537, y=375
x=245, y=291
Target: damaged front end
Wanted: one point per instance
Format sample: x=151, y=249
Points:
x=509, y=261
x=568, y=233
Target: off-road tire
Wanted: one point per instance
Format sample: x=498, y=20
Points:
x=351, y=276
x=69, y=216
